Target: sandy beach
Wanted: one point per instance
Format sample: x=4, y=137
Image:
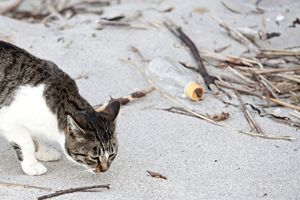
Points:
x=199, y=159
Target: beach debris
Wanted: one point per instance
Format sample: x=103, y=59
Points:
x=221, y=49
x=126, y=99
x=122, y=20
x=253, y=34
x=254, y=126
x=167, y=10
x=73, y=190
x=279, y=18
x=156, y=175
x=174, y=79
x=230, y=9
x=280, y=119
x=219, y=117
x=295, y=22
x=55, y=10
x=177, y=31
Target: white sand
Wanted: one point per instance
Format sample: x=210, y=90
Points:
x=201, y=161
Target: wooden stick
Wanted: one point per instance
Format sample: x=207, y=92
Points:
x=126, y=99
x=71, y=190
x=177, y=31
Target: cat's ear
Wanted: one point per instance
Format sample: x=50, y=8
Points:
x=112, y=110
x=73, y=127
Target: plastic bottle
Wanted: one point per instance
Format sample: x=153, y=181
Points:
x=174, y=78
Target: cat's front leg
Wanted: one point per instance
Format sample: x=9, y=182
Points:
x=23, y=144
x=45, y=153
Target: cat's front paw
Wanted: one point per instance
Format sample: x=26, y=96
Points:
x=48, y=154
x=35, y=169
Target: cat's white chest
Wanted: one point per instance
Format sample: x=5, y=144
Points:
x=29, y=110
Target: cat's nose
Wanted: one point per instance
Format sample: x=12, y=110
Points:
x=103, y=167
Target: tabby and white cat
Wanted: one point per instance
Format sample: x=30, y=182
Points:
x=40, y=102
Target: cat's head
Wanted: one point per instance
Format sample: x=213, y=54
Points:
x=91, y=139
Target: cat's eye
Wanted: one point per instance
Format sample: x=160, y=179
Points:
x=95, y=157
x=79, y=154
x=112, y=155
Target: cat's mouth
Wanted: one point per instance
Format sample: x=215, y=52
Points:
x=102, y=167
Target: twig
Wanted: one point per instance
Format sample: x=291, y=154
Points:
x=279, y=52
x=177, y=31
x=3, y=184
x=289, y=78
x=254, y=126
x=268, y=136
x=280, y=119
x=102, y=23
x=230, y=9
x=241, y=90
x=288, y=105
x=268, y=71
x=126, y=99
x=71, y=190
x=9, y=5
x=254, y=34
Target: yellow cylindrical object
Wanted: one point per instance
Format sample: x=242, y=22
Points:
x=194, y=91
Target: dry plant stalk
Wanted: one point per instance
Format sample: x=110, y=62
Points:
x=72, y=190
x=126, y=99
x=254, y=126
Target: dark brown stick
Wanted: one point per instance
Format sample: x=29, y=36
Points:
x=177, y=31
x=71, y=190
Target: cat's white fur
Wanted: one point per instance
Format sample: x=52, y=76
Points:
x=29, y=119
